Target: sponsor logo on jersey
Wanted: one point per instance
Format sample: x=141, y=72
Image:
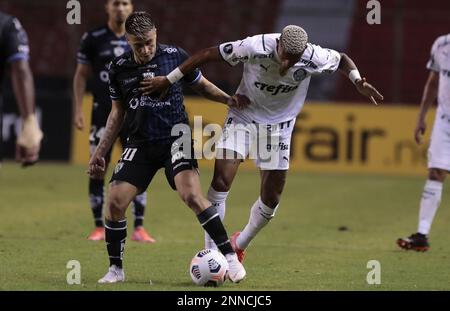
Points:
x=308, y=63
x=280, y=147
x=170, y=50
x=275, y=89
x=147, y=75
x=300, y=74
x=262, y=56
x=228, y=49
x=129, y=81
x=265, y=68
x=240, y=59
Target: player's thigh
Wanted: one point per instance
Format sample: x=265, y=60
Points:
x=225, y=170
x=272, y=186
x=439, y=149
x=274, y=147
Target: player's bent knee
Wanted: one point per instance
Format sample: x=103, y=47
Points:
x=190, y=199
x=221, y=184
x=437, y=174
x=117, y=207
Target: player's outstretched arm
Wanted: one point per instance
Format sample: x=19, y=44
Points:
x=113, y=126
x=428, y=98
x=162, y=83
x=79, y=87
x=209, y=90
x=29, y=140
x=349, y=69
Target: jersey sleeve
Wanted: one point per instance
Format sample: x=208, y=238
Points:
x=325, y=60
x=433, y=62
x=192, y=77
x=85, y=53
x=114, y=89
x=237, y=52
x=16, y=42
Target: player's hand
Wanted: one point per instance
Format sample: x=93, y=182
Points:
x=368, y=90
x=27, y=156
x=79, y=120
x=97, y=165
x=28, y=142
x=419, y=131
x=154, y=85
x=238, y=101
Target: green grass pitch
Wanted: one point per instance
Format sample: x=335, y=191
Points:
x=45, y=218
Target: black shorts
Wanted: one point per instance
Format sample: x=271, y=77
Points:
x=139, y=164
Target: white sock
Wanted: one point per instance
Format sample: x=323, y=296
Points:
x=260, y=215
x=431, y=197
x=217, y=199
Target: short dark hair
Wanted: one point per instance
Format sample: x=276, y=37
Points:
x=139, y=23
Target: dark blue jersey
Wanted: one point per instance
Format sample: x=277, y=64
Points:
x=149, y=118
x=98, y=48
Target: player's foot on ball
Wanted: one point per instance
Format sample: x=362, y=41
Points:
x=97, y=235
x=416, y=241
x=140, y=235
x=236, y=271
x=114, y=275
x=239, y=252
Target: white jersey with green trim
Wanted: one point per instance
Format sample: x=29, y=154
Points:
x=275, y=98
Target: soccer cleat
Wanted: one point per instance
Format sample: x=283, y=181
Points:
x=239, y=252
x=140, y=235
x=114, y=275
x=236, y=271
x=97, y=235
x=416, y=241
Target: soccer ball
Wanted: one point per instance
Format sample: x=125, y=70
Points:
x=208, y=268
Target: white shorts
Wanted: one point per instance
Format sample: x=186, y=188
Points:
x=267, y=144
x=439, y=150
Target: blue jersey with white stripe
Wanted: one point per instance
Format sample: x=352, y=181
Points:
x=149, y=118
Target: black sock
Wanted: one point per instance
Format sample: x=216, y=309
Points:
x=210, y=221
x=96, y=200
x=139, y=208
x=115, y=236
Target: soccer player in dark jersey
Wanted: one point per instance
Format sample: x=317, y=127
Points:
x=98, y=48
x=151, y=145
x=14, y=56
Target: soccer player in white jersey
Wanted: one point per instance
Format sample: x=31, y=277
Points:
x=437, y=86
x=277, y=71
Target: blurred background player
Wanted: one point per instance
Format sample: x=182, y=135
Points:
x=437, y=86
x=98, y=48
x=152, y=144
x=14, y=56
x=276, y=76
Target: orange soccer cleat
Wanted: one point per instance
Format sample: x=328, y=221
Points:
x=239, y=252
x=97, y=235
x=140, y=235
